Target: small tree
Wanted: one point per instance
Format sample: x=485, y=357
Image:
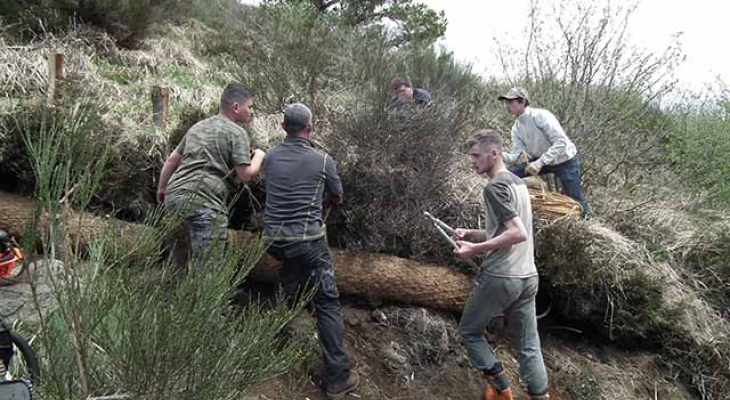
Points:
x=415, y=21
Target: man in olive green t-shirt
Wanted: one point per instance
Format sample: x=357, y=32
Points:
x=201, y=172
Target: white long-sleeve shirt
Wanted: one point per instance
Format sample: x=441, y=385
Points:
x=538, y=132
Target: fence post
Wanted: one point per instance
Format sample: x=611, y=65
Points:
x=55, y=73
x=160, y=104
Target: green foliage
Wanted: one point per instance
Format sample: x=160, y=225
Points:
x=32, y=120
x=125, y=319
x=291, y=56
x=394, y=167
x=698, y=146
x=126, y=20
x=415, y=22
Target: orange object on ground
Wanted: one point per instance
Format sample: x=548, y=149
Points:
x=8, y=261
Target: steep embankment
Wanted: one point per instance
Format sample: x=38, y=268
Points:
x=599, y=279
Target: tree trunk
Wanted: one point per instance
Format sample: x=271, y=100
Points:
x=376, y=277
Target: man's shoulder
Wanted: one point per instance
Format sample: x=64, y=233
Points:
x=421, y=96
x=503, y=180
x=218, y=123
x=284, y=148
x=537, y=113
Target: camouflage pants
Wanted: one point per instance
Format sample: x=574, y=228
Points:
x=200, y=236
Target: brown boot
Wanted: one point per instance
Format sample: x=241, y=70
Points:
x=338, y=391
x=498, y=387
x=491, y=393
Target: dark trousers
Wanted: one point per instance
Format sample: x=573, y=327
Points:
x=310, y=263
x=6, y=345
x=569, y=175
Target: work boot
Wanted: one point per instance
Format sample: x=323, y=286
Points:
x=491, y=393
x=338, y=391
x=498, y=386
x=540, y=396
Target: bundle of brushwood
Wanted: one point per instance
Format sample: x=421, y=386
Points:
x=551, y=205
x=602, y=281
x=377, y=277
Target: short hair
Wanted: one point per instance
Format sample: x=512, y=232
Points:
x=296, y=118
x=399, y=81
x=485, y=138
x=234, y=92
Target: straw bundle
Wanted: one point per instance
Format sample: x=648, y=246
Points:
x=603, y=280
x=550, y=205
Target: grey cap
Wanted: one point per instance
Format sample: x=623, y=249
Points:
x=297, y=114
x=515, y=93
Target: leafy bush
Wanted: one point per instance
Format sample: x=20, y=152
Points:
x=698, y=145
x=396, y=164
x=290, y=55
x=125, y=20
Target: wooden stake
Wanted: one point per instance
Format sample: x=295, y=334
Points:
x=160, y=103
x=55, y=73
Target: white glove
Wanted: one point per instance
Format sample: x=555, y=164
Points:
x=533, y=168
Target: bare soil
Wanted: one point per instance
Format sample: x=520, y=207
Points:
x=414, y=353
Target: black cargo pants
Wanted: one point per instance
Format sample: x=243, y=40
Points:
x=307, y=263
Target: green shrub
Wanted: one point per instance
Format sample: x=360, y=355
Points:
x=396, y=164
x=128, y=321
x=698, y=146
x=125, y=20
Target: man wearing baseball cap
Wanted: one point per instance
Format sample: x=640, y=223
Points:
x=538, y=133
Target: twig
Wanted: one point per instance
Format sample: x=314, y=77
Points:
x=119, y=396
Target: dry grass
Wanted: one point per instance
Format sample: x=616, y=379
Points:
x=611, y=374
x=117, y=83
x=599, y=277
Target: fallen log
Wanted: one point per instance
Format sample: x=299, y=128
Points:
x=376, y=277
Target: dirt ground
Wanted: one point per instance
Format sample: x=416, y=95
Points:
x=414, y=353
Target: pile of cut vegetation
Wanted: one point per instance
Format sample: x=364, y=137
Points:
x=601, y=279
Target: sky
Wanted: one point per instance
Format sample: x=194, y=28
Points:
x=703, y=24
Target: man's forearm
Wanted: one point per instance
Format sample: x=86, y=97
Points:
x=504, y=240
x=167, y=170
x=257, y=161
x=477, y=235
x=247, y=172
